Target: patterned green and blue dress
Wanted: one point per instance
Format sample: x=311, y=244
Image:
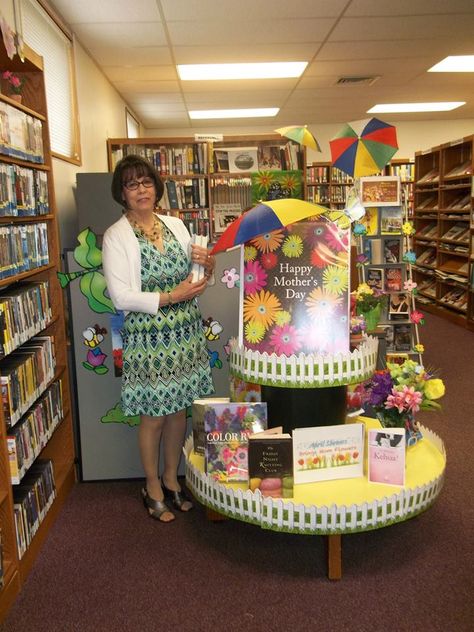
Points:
x=165, y=357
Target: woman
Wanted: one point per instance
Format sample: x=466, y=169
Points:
x=146, y=261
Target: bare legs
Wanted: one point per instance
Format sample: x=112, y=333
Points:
x=151, y=431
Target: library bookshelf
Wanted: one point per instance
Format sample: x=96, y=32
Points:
x=444, y=225
x=37, y=467
x=207, y=184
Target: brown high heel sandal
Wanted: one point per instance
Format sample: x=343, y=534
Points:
x=156, y=508
x=177, y=499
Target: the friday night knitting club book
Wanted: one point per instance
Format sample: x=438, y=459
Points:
x=295, y=290
x=227, y=427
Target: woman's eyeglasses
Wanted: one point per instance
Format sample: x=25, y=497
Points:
x=132, y=185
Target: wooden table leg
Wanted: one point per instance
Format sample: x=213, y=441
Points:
x=334, y=556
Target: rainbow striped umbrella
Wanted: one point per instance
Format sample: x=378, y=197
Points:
x=264, y=218
x=363, y=148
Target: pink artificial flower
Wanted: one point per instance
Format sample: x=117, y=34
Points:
x=336, y=239
x=406, y=400
x=230, y=277
x=417, y=317
x=255, y=277
x=409, y=285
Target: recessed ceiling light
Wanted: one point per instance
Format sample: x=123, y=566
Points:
x=415, y=107
x=242, y=113
x=271, y=70
x=454, y=63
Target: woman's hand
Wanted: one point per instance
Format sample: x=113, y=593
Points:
x=201, y=256
x=187, y=290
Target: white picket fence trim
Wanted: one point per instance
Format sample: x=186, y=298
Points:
x=305, y=370
x=281, y=515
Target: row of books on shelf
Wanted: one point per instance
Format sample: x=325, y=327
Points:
x=196, y=223
x=25, y=310
x=22, y=248
x=24, y=376
x=23, y=191
x=32, y=500
x=405, y=171
x=389, y=279
x=459, y=203
x=456, y=297
x=429, y=203
x=232, y=190
x=174, y=160
x=385, y=250
x=185, y=194
x=318, y=194
x=26, y=440
x=457, y=232
x=21, y=135
x=257, y=158
x=238, y=446
x=449, y=247
x=386, y=220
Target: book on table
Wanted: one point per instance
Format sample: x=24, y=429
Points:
x=386, y=456
x=270, y=463
x=198, y=410
x=328, y=452
x=227, y=427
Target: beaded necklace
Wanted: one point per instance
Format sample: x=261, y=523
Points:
x=153, y=234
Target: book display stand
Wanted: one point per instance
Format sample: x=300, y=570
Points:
x=329, y=508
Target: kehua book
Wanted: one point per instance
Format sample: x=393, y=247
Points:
x=386, y=458
x=270, y=461
x=227, y=427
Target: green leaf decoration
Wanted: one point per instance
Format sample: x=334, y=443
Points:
x=115, y=416
x=87, y=254
x=93, y=287
x=101, y=370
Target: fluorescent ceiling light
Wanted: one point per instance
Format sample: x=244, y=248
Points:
x=455, y=63
x=243, y=113
x=415, y=107
x=272, y=70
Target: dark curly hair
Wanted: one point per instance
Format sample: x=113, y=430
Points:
x=132, y=167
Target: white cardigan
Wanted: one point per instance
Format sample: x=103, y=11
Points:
x=121, y=262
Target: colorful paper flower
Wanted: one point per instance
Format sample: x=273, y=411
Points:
x=409, y=257
x=409, y=285
x=254, y=332
x=419, y=348
x=269, y=241
x=361, y=260
x=406, y=399
x=321, y=303
x=230, y=278
x=250, y=253
x=417, y=317
x=408, y=228
x=282, y=318
x=255, y=277
x=359, y=229
x=434, y=389
x=269, y=260
x=336, y=238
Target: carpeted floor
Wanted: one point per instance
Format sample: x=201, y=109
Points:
x=107, y=567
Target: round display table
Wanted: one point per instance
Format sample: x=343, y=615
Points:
x=329, y=508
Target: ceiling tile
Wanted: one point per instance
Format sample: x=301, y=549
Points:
x=115, y=35
x=141, y=73
x=233, y=53
x=90, y=11
x=408, y=7
x=134, y=56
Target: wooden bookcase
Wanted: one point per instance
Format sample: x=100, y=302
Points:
x=208, y=183
x=443, y=217
x=54, y=442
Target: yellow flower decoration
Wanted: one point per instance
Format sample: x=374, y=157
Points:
x=408, y=228
x=282, y=318
x=363, y=288
x=254, y=332
x=293, y=246
x=335, y=279
x=419, y=348
x=261, y=307
x=434, y=389
x=250, y=253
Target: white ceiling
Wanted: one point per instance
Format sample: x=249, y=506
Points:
x=137, y=44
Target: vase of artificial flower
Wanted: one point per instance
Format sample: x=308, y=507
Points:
x=397, y=393
x=369, y=303
x=16, y=84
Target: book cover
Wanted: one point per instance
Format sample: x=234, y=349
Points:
x=198, y=410
x=295, y=297
x=386, y=456
x=393, y=279
x=375, y=278
x=391, y=220
x=371, y=220
x=399, y=306
x=241, y=391
x=270, y=461
x=402, y=337
x=227, y=427
x=328, y=452
x=392, y=249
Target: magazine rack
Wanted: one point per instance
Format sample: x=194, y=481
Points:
x=329, y=508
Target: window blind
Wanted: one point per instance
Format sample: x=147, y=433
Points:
x=42, y=34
